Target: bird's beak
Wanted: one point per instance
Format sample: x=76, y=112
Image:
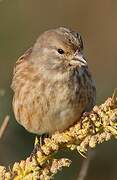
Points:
x=78, y=59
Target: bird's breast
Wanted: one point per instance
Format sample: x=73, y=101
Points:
x=54, y=103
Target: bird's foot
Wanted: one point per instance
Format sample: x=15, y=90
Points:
x=39, y=142
x=85, y=114
x=42, y=138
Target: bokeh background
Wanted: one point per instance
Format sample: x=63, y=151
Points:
x=21, y=21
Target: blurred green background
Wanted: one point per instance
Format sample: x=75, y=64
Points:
x=21, y=21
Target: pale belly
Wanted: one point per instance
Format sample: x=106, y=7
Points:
x=58, y=116
x=53, y=108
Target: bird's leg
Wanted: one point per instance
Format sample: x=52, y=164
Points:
x=85, y=114
x=42, y=137
x=93, y=126
x=38, y=143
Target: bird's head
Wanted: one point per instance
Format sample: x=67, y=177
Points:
x=59, y=49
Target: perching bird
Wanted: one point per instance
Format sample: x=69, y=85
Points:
x=52, y=84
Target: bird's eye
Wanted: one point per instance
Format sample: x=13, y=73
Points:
x=60, y=51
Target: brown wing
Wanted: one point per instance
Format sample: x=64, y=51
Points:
x=24, y=57
x=20, y=84
x=20, y=60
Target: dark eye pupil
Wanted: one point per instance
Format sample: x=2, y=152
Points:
x=60, y=51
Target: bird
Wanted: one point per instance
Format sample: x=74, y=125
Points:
x=52, y=84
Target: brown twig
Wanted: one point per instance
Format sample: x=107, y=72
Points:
x=85, y=165
x=4, y=126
